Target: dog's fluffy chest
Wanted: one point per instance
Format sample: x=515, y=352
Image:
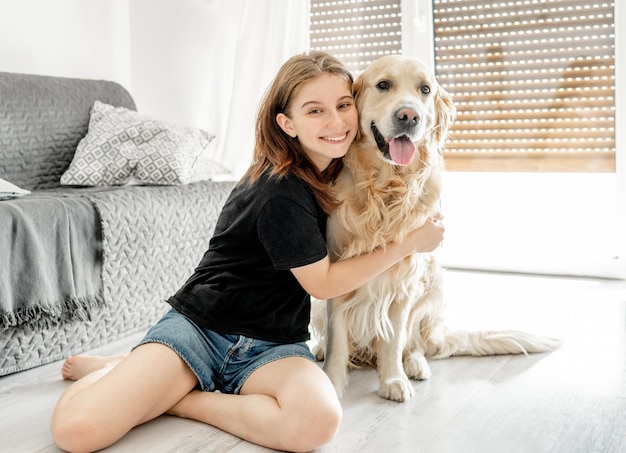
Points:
x=379, y=208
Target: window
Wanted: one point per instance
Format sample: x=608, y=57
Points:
x=533, y=81
x=356, y=31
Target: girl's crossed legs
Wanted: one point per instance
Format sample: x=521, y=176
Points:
x=286, y=404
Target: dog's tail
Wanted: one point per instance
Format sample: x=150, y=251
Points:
x=495, y=342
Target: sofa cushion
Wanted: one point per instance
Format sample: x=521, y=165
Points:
x=123, y=146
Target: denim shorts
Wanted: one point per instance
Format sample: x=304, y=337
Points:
x=221, y=362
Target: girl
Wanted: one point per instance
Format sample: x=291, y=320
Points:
x=231, y=352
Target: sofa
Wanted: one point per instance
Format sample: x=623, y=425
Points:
x=104, y=212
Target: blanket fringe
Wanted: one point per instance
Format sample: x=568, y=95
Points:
x=46, y=315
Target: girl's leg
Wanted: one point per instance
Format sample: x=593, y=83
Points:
x=97, y=410
x=289, y=404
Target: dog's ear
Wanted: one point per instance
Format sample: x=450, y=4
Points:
x=357, y=87
x=445, y=114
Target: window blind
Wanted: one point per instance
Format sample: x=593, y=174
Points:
x=533, y=81
x=356, y=31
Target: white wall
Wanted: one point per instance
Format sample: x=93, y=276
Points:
x=73, y=38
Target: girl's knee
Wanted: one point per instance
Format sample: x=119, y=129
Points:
x=329, y=425
x=79, y=432
x=69, y=432
x=313, y=427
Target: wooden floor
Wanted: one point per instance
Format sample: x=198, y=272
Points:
x=570, y=401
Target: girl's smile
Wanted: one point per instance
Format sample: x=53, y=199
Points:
x=323, y=117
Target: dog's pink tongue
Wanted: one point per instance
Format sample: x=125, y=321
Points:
x=402, y=150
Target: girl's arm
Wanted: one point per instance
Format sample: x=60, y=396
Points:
x=325, y=280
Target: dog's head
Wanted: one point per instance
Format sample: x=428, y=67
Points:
x=402, y=108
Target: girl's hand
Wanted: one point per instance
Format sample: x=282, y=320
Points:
x=428, y=237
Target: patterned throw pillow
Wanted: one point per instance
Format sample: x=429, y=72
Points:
x=123, y=146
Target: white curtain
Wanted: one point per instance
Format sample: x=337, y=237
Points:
x=207, y=63
x=257, y=37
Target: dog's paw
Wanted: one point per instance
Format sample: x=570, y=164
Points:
x=416, y=367
x=397, y=389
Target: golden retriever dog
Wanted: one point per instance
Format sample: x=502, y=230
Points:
x=390, y=185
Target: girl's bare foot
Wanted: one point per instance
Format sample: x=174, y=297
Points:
x=78, y=366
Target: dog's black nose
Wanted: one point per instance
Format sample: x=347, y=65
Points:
x=408, y=116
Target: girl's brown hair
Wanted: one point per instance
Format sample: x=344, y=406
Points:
x=276, y=151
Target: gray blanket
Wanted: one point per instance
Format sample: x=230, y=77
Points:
x=51, y=266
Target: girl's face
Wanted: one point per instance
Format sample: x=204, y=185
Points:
x=323, y=117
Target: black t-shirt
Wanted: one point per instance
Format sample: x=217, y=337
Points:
x=243, y=284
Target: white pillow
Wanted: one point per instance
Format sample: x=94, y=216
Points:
x=8, y=190
x=123, y=146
